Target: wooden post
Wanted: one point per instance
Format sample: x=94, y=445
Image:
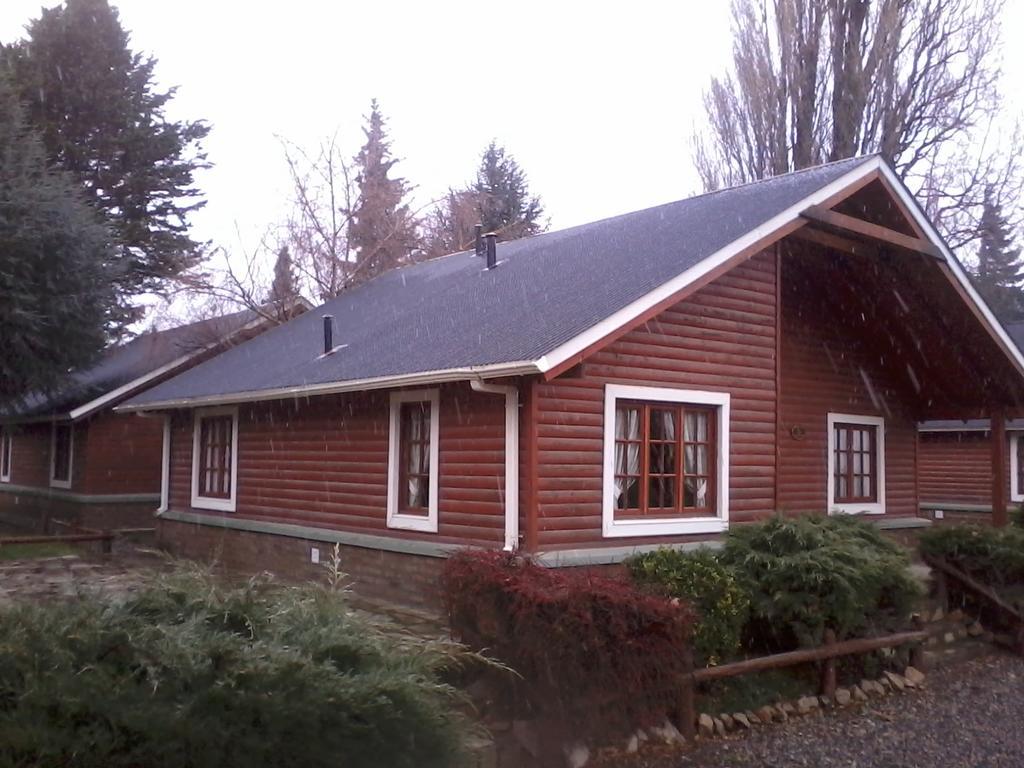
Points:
x=687, y=700
x=828, y=668
x=917, y=650
x=1000, y=515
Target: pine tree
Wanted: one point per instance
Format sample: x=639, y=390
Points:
x=94, y=102
x=57, y=298
x=999, y=271
x=283, y=291
x=503, y=196
x=383, y=230
x=499, y=200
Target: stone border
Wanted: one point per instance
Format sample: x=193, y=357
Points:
x=709, y=726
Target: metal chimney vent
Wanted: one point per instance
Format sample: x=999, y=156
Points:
x=492, y=249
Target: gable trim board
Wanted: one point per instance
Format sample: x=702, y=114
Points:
x=89, y=408
x=603, y=332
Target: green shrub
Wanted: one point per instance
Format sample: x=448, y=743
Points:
x=192, y=673
x=810, y=573
x=700, y=578
x=993, y=555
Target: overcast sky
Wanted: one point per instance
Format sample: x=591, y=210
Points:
x=596, y=100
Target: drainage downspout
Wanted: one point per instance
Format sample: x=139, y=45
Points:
x=511, y=394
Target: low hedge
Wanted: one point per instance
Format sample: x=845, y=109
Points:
x=993, y=555
x=190, y=673
x=702, y=579
x=595, y=655
x=813, y=572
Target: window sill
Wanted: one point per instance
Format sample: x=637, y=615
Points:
x=217, y=505
x=60, y=484
x=422, y=523
x=664, y=526
x=857, y=509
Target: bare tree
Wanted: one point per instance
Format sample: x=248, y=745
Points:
x=818, y=80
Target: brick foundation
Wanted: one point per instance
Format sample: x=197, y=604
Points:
x=412, y=580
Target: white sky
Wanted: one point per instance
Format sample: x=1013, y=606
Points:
x=596, y=100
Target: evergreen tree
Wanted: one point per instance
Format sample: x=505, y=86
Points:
x=56, y=280
x=999, y=271
x=503, y=196
x=283, y=291
x=382, y=232
x=93, y=101
x=499, y=200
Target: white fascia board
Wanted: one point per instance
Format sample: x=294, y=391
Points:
x=633, y=310
x=1015, y=355
x=494, y=371
x=126, y=389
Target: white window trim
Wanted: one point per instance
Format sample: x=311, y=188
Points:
x=1016, y=492
x=612, y=528
x=857, y=508
x=6, y=437
x=55, y=483
x=205, y=502
x=396, y=519
x=165, y=468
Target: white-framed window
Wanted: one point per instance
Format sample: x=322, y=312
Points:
x=856, y=464
x=62, y=450
x=413, y=460
x=1016, y=466
x=165, y=466
x=215, y=458
x=6, y=454
x=666, y=461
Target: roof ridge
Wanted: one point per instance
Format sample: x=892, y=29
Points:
x=697, y=196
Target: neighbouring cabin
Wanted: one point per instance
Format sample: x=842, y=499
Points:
x=67, y=457
x=955, y=463
x=646, y=381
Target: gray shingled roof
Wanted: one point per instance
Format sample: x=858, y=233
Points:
x=123, y=363
x=1016, y=332
x=450, y=313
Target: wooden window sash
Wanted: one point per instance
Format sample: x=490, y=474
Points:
x=422, y=412
x=62, y=453
x=215, y=456
x=679, y=412
x=869, y=458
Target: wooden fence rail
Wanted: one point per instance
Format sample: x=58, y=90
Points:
x=828, y=653
x=985, y=595
x=105, y=537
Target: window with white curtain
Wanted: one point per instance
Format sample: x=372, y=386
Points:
x=413, y=459
x=666, y=461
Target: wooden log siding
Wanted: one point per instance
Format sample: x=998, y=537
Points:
x=322, y=462
x=956, y=467
x=829, y=366
x=721, y=339
x=30, y=455
x=120, y=453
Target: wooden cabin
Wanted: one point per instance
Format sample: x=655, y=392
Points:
x=68, y=456
x=646, y=380
x=955, y=463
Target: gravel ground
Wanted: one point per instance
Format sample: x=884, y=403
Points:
x=971, y=714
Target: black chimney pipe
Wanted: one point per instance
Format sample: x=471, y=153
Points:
x=479, y=229
x=328, y=334
x=492, y=249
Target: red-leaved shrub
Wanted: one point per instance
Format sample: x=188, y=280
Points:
x=596, y=656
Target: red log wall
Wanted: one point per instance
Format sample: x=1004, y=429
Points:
x=956, y=467
x=322, y=462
